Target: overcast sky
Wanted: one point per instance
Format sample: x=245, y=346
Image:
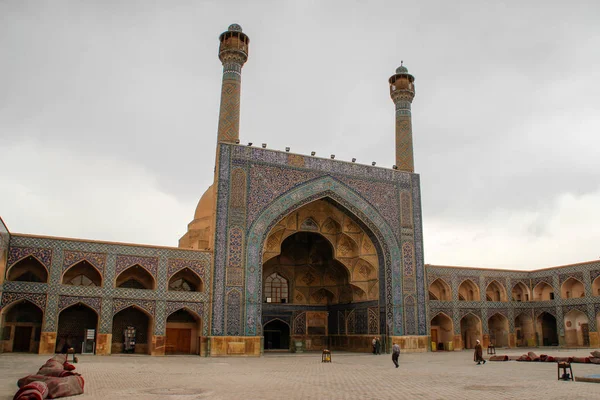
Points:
x=108, y=114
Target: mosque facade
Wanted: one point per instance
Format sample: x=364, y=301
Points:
x=286, y=252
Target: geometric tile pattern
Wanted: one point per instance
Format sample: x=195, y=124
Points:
x=110, y=259
x=97, y=260
x=454, y=276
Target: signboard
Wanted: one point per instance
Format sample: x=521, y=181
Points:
x=89, y=344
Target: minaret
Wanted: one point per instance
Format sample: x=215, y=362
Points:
x=402, y=90
x=233, y=53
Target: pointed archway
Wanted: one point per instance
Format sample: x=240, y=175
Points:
x=277, y=335
x=183, y=331
x=135, y=277
x=21, y=327
x=28, y=269
x=572, y=289
x=442, y=331
x=82, y=274
x=186, y=280
x=495, y=291
x=468, y=291
x=543, y=292
x=577, y=329
x=440, y=290
x=73, y=323
x=520, y=292
x=498, y=328
x=470, y=330
x=131, y=331
x=547, y=330
x=383, y=239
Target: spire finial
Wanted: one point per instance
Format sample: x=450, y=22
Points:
x=401, y=62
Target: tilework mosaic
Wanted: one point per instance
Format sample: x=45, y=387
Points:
x=107, y=298
x=16, y=254
x=97, y=260
x=8, y=298
x=95, y=303
x=150, y=264
x=513, y=309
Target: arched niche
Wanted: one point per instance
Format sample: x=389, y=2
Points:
x=468, y=291
x=498, y=328
x=470, y=330
x=547, y=329
x=442, y=331
x=82, y=274
x=543, y=292
x=596, y=287
x=186, y=280
x=576, y=329
x=524, y=330
x=440, y=290
x=135, y=277
x=277, y=335
x=495, y=291
x=572, y=288
x=138, y=319
x=21, y=327
x=73, y=322
x=183, y=330
x=520, y=292
x=29, y=269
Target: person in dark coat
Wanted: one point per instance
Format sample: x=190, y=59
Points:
x=377, y=346
x=395, y=354
x=478, y=355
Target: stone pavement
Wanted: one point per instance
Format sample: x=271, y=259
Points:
x=303, y=376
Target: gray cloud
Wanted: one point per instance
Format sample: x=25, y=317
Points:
x=505, y=119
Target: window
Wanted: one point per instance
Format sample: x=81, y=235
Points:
x=276, y=288
x=551, y=295
x=81, y=280
x=180, y=285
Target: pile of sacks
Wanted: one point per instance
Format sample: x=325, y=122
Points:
x=531, y=356
x=53, y=380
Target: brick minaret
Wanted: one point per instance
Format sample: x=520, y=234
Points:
x=402, y=90
x=233, y=53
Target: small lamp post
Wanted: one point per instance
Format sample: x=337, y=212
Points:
x=326, y=356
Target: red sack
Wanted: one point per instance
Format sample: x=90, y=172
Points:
x=32, y=391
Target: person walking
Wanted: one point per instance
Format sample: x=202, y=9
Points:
x=377, y=346
x=395, y=354
x=478, y=355
x=373, y=345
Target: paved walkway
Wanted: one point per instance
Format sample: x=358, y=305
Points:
x=303, y=376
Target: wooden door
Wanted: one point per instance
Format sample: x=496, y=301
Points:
x=178, y=341
x=22, y=338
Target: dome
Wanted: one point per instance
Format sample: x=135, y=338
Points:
x=402, y=70
x=234, y=28
x=206, y=204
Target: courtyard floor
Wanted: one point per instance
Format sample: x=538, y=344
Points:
x=302, y=376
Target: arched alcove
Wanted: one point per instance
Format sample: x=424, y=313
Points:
x=322, y=296
x=186, y=280
x=596, y=287
x=73, y=322
x=520, y=292
x=524, y=330
x=183, y=332
x=547, y=330
x=498, y=328
x=82, y=274
x=470, y=330
x=277, y=335
x=468, y=291
x=29, y=269
x=572, y=288
x=135, y=277
x=141, y=322
x=495, y=291
x=21, y=327
x=440, y=290
x=577, y=329
x=543, y=292
x=442, y=331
